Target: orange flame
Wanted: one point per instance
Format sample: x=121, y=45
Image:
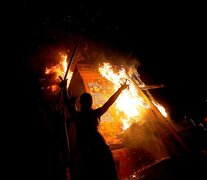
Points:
x=129, y=103
x=160, y=108
x=59, y=71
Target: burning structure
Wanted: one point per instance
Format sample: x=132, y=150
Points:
x=136, y=127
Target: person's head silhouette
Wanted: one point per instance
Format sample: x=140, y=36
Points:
x=86, y=101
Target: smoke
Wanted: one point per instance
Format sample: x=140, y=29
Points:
x=99, y=52
x=48, y=55
x=93, y=52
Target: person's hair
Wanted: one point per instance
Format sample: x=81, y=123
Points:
x=85, y=98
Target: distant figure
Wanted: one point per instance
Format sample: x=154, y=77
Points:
x=95, y=160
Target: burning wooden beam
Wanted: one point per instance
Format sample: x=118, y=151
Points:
x=146, y=87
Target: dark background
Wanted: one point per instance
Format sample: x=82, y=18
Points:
x=168, y=39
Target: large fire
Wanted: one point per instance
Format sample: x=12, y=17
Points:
x=129, y=108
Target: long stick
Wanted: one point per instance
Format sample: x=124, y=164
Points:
x=65, y=124
x=68, y=68
x=71, y=60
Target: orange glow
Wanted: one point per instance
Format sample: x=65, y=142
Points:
x=129, y=108
x=59, y=70
x=129, y=103
x=160, y=108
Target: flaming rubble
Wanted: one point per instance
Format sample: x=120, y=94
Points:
x=129, y=108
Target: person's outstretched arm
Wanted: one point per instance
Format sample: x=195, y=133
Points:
x=111, y=100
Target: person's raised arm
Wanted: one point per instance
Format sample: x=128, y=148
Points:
x=112, y=99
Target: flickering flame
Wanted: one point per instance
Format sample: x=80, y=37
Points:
x=129, y=103
x=160, y=108
x=59, y=70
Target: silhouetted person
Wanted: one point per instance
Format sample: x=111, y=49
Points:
x=95, y=160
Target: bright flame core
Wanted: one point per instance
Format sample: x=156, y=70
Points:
x=129, y=103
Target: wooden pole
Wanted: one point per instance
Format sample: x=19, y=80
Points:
x=65, y=123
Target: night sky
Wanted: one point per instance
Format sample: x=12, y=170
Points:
x=168, y=39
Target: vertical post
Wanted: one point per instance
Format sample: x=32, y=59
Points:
x=67, y=170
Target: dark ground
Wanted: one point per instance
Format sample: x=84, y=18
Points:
x=173, y=169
